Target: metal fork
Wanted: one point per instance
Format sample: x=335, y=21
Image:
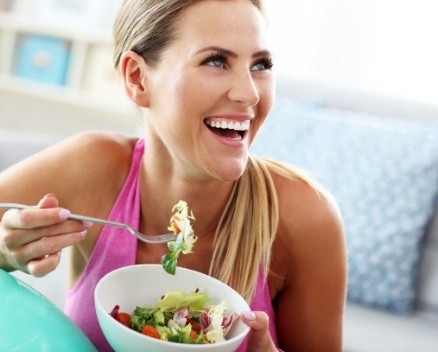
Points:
x=142, y=237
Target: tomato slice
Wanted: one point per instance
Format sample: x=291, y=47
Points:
x=194, y=335
x=124, y=318
x=149, y=330
x=195, y=325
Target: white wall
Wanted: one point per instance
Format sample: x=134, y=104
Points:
x=379, y=47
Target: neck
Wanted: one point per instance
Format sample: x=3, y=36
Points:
x=161, y=191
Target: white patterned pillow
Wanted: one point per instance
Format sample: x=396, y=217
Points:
x=384, y=174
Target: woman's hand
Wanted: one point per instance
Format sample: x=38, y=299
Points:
x=31, y=240
x=259, y=338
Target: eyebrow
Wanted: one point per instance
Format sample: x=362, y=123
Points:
x=232, y=53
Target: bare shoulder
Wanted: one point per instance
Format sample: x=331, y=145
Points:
x=85, y=162
x=309, y=267
x=305, y=206
x=310, y=231
x=97, y=141
x=100, y=149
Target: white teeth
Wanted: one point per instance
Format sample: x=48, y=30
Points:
x=231, y=125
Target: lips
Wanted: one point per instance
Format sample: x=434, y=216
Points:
x=228, y=128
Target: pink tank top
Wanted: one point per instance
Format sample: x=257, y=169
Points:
x=108, y=255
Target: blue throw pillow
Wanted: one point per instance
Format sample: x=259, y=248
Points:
x=384, y=174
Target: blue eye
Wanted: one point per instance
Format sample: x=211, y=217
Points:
x=263, y=64
x=220, y=60
x=217, y=60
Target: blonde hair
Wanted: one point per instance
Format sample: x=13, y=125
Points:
x=147, y=27
x=247, y=228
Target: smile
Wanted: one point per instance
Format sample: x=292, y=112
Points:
x=228, y=124
x=228, y=128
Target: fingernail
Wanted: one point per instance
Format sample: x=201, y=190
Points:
x=87, y=224
x=249, y=315
x=83, y=234
x=63, y=214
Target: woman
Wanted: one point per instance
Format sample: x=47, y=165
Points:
x=200, y=73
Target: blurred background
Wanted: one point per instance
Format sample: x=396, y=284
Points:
x=56, y=73
x=56, y=56
x=379, y=47
x=357, y=106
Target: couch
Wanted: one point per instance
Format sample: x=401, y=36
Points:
x=383, y=170
x=384, y=173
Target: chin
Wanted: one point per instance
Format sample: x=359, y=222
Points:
x=231, y=170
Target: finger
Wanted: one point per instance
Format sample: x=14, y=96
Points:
x=259, y=337
x=34, y=217
x=21, y=227
x=48, y=201
x=257, y=321
x=42, y=256
x=75, y=231
x=45, y=265
x=52, y=243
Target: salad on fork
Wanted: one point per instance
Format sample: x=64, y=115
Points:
x=185, y=236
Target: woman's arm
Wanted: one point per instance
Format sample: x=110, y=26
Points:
x=311, y=247
x=77, y=172
x=308, y=275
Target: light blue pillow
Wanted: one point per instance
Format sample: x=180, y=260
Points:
x=384, y=174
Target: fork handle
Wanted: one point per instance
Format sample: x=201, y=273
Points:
x=71, y=216
x=13, y=206
x=97, y=220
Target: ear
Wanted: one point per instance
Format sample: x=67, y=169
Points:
x=133, y=71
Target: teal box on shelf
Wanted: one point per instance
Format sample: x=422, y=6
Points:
x=43, y=58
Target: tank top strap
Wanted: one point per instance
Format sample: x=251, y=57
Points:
x=114, y=249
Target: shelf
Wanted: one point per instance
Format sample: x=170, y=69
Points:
x=65, y=95
x=19, y=23
x=80, y=79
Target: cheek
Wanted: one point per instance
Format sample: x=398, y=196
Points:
x=168, y=87
x=181, y=106
x=171, y=104
x=183, y=95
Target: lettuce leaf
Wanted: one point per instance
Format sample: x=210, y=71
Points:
x=185, y=240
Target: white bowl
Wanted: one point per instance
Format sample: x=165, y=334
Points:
x=138, y=285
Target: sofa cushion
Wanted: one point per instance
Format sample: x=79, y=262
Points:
x=384, y=174
x=17, y=145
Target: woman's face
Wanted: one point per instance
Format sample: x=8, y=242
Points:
x=211, y=91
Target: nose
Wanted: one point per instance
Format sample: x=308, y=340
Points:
x=244, y=89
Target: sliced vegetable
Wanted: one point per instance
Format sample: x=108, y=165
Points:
x=124, y=318
x=176, y=300
x=149, y=330
x=185, y=240
x=216, y=325
x=182, y=317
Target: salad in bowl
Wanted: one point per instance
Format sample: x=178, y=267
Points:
x=143, y=308
x=152, y=297
x=180, y=317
